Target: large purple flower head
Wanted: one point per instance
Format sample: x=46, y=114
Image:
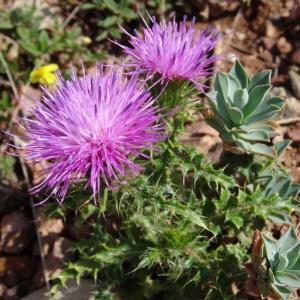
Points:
x=174, y=51
x=89, y=129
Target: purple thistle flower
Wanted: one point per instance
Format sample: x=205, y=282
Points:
x=91, y=127
x=174, y=51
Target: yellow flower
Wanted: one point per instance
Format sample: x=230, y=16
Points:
x=44, y=75
x=85, y=40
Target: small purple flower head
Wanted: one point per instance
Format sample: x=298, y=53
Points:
x=174, y=51
x=91, y=128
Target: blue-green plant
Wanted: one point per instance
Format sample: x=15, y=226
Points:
x=243, y=110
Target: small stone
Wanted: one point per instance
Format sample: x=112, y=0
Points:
x=295, y=82
x=234, y=288
x=11, y=294
x=13, y=53
x=16, y=232
x=61, y=249
x=278, y=92
x=284, y=46
x=206, y=143
x=50, y=226
x=271, y=30
x=292, y=109
x=240, y=36
x=294, y=134
x=290, y=4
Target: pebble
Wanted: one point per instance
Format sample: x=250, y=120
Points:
x=50, y=226
x=271, y=30
x=11, y=294
x=294, y=134
x=292, y=109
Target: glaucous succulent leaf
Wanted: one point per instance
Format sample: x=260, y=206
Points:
x=238, y=72
x=240, y=98
x=260, y=78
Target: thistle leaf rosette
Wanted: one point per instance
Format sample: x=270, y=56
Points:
x=243, y=109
